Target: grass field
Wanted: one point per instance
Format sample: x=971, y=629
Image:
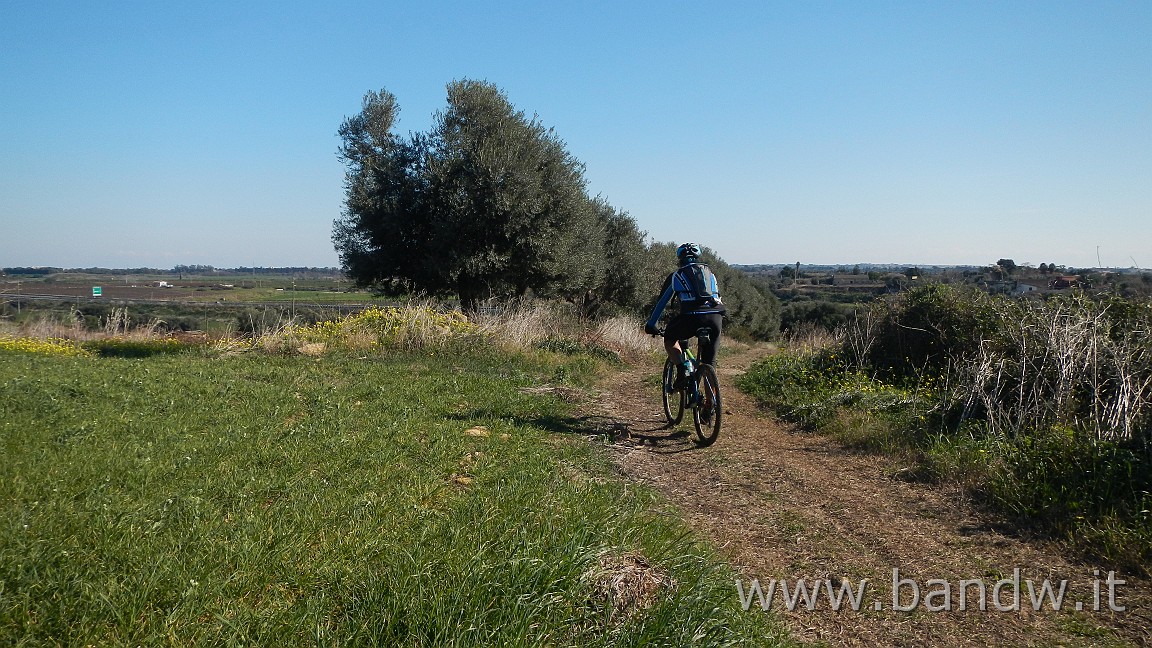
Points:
x=396, y=500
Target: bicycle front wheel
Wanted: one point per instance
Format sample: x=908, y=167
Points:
x=673, y=400
x=707, y=414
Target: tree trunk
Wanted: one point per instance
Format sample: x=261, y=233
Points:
x=470, y=296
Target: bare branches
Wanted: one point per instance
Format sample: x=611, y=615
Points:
x=1071, y=362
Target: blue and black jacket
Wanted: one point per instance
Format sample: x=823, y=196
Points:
x=696, y=288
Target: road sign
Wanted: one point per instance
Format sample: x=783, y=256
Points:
x=97, y=291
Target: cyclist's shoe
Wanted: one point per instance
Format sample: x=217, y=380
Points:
x=681, y=379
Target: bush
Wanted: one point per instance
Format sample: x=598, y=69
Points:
x=410, y=327
x=925, y=331
x=825, y=314
x=575, y=347
x=813, y=388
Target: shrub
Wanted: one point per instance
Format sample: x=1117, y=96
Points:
x=1071, y=362
x=826, y=314
x=409, y=327
x=925, y=331
x=812, y=388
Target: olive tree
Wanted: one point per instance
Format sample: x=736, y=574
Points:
x=489, y=203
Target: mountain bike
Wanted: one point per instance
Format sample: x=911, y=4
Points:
x=700, y=392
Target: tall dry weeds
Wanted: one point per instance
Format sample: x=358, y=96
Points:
x=70, y=327
x=117, y=324
x=810, y=336
x=625, y=337
x=1061, y=363
x=522, y=324
x=1019, y=365
x=859, y=336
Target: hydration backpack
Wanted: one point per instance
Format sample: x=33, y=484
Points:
x=697, y=288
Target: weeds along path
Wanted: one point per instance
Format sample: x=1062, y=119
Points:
x=784, y=504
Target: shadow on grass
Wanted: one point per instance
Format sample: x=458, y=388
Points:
x=658, y=435
x=117, y=348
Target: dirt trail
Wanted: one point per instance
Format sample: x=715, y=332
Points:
x=784, y=504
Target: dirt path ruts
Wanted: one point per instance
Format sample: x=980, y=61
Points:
x=784, y=504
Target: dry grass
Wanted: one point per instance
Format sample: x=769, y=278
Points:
x=626, y=583
x=524, y=324
x=117, y=324
x=420, y=324
x=521, y=324
x=625, y=337
x=563, y=392
x=812, y=337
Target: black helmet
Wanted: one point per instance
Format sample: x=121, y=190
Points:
x=688, y=253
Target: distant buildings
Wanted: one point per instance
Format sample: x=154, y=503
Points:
x=999, y=287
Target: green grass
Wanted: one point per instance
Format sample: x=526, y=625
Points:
x=262, y=500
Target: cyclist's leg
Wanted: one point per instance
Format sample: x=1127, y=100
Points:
x=679, y=328
x=708, y=349
x=672, y=347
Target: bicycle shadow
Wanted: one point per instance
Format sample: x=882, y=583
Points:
x=656, y=435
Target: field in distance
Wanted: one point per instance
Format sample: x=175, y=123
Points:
x=322, y=286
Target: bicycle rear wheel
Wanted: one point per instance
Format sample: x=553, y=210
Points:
x=673, y=401
x=707, y=414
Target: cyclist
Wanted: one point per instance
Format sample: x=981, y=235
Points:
x=694, y=285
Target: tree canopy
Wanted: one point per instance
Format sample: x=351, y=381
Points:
x=1008, y=265
x=488, y=204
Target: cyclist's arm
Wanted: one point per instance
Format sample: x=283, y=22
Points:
x=669, y=291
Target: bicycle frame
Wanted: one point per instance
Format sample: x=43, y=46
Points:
x=700, y=393
x=692, y=388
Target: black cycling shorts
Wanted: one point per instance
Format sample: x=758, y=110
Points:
x=685, y=325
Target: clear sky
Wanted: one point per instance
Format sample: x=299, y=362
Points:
x=154, y=134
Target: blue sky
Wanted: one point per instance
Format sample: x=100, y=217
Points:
x=156, y=134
